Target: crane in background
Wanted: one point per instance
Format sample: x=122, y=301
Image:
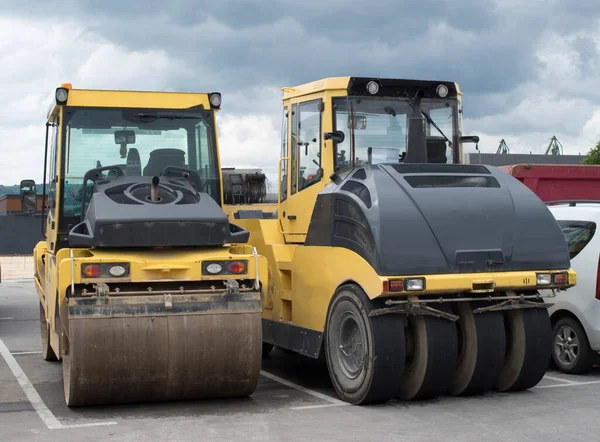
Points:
x=503, y=147
x=555, y=147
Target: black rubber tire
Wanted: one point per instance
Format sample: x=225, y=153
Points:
x=429, y=371
x=585, y=357
x=47, y=351
x=528, y=349
x=377, y=379
x=266, y=349
x=482, y=345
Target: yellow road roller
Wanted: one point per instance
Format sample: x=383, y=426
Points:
x=147, y=291
x=412, y=273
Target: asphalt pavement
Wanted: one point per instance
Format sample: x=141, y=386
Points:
x=294, y=401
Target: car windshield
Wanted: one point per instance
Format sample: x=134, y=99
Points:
x=141, y=142
x=380, y=126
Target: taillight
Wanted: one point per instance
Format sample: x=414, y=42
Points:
x=400, y=285
x=224, y=267
x=237, y=267
x=91, y=270
x=105, y=270
x=598, y=280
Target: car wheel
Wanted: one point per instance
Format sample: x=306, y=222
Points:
x=571, y=349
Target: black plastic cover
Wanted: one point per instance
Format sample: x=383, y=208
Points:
x=120, y=214
x=415, y=219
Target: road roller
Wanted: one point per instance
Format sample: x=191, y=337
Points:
x=411, y=273
x=147, y=292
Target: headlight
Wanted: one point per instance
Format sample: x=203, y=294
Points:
x=442, y=90
x=215, y=99
x=61, y=95
x=543, y=279
x=117, y=270
x=414, y=284
x=214, y=268
x=372, y=87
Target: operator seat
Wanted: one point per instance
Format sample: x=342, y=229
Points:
x=436, y=150
x=134, y=163
x=161, y=158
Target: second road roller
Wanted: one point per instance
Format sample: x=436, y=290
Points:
x=147, y=291
x=412, y=273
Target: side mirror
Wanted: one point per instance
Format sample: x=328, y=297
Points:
x=28, y=196
x=337, y=136
x=469, y=139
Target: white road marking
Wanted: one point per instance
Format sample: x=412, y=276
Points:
x=310, y=407
x=303, y=389
x=560, y=380
x=19, y=353
x=34, y=398
x=6, y=319
x=570, y=384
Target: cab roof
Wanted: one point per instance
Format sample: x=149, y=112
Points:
x=355, y=86
x=133, y=99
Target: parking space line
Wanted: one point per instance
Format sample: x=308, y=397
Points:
x=308, y=391
x=32, y=395
x=552, y=378
x=570, y=384
x=310, y=407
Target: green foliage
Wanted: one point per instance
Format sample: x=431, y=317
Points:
x=593, y=156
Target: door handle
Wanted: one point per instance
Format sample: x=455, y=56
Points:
x=292, y=217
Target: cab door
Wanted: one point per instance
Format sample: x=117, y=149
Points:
x=304, y=177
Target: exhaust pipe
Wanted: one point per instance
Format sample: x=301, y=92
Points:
x=154, y=189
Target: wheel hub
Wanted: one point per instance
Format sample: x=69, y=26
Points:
x=351, y=352
x=566, y=345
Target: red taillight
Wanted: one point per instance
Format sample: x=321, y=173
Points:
x=237, y=267
x=598, y=280
x=91, y=270
x=561, y=278
x=393, y=285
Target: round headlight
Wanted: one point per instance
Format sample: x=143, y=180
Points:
x=442, y=90
x=61, y=95
x=214, y=268
x=215, y=100
x=372, y=87
x=117, y=270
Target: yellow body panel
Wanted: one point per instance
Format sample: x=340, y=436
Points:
x=317, y=272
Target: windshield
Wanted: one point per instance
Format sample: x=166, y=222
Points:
x=381, y=125
x=141, y=141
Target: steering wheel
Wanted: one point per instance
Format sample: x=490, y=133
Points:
x=93, y=175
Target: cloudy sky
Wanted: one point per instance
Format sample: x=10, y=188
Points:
x=528, y=69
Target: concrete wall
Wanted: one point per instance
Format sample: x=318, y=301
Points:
x=19, y=233
x=16, y=267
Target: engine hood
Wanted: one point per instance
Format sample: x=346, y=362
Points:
x=410, y=219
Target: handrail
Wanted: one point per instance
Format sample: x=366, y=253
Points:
x=279, y=191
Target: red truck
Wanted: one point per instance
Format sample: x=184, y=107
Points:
x=559, y=182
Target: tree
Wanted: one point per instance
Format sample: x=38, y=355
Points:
x=593, y=156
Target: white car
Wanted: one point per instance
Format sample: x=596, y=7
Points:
x=575, y=315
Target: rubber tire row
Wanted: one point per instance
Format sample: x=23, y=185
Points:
x=495, y=350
